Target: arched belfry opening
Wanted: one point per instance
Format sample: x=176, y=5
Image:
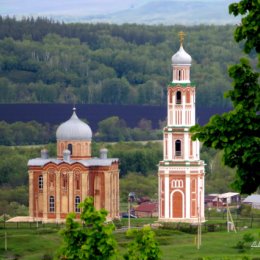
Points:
x=178, y=148
x=178, y=97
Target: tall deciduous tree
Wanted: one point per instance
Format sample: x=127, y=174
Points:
x=249, y=29
x=93, y=240
x=238, y=131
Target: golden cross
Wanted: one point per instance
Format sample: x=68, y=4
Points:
x=181, y=35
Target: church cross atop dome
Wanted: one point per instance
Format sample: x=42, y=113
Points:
x=181, y=35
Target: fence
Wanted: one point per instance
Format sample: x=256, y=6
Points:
x=213, y=223
x=29, y=225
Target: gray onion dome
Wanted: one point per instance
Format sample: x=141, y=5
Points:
x=181, y=57
x=74, y=129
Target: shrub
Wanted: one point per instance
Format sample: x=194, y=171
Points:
x=248, y=237
x=240, y=246
x=183, y=227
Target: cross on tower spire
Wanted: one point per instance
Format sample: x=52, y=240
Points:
x=181, y=35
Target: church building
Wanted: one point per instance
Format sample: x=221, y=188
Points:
x=181, y=172
x=58, y=185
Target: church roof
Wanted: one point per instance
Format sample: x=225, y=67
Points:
x=87, y=163
x=74, y=129
x=181, y=57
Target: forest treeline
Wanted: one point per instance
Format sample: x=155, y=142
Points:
x=110, y=129
x=42, y=61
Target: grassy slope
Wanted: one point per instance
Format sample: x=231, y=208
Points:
x=33, y=244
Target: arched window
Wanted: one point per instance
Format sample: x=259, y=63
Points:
x=77, y=182
x=40, y=182
x=178, y=148
x=178, y=97
x=52, y=204
x=77, y=201
x=64, y=181
x=70, y=148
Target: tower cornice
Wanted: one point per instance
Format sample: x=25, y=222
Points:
x=182, y=85
x=176, y=129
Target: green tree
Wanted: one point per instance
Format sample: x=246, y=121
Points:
x=113, y=129
x=214, y=181
x=141, y=185
x=91, y=241
x=249, y=28
x=238, y=131
x=144, y=245
x=115, y=91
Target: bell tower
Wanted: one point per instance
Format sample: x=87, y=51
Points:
x=181, y=173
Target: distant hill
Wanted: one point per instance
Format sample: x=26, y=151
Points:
x=169, y=12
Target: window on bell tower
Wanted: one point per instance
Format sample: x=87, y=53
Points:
x=178, y=97
x=177, y=148
x=179, y=74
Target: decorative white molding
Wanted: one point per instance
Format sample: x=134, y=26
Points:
x=166, y=196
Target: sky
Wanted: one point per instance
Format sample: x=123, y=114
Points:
x=120, y=11
x=32, y=7
x=71, y=7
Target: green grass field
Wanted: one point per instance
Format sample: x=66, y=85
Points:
x=41, y=243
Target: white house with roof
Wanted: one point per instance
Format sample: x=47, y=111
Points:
x=253, y=200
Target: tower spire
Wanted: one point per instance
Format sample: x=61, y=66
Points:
x=181, y=35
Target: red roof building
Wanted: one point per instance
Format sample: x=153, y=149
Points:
x=147, y=209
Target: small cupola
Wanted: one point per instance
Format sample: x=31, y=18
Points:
x=44, y=154
x=66, y=155
x=181, y=62
x=103, y=153
x=181, y=57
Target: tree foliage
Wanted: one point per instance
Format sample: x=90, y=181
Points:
x=26, y=133
x=42, y=61
x=238, y=131
x=249, y=29
x=142, y=186
x=13, y=164
x=143, y=246
x=141, y=158
x=91, y=241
